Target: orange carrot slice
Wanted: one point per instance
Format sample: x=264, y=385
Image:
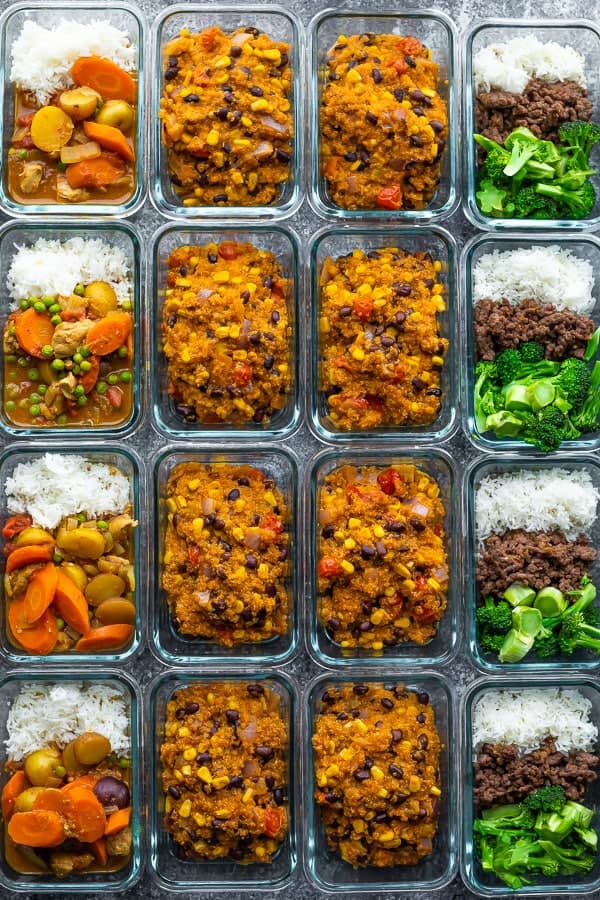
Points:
x=118, y=820
x=96, y=173
x=102, y=75
x=83, y=781
x=109, y=138
x=40, y=592
x=71, y=605
x=85, y=815
x=40, y=638
x=100, y=852
x=11, y=790
x=109, y=637
x=52, y=800
x=109, y=333
x=28, y=555
x=38, y=828
x=88, y=379
x=33, y=330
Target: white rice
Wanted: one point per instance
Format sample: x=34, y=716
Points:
x=527, y=717
x=509, y=66
x=45, y=713
x=41, y=58
x=549, y=274
x=57, y=485
x=55, y=267
x=540, y=500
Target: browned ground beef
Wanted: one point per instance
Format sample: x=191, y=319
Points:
x=502, y=775
x=542, y=107
x=536, y=558
x=499, y=325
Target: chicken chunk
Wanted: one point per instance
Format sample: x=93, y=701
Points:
x=119, y=844
x=67, y=385
x=31, y=177
x=64, y=191
x=63, y=863
x=69, y=336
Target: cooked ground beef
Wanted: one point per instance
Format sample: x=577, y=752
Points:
x=503, y=775
x=499, y=325
x=542, y=107
x=536, y=558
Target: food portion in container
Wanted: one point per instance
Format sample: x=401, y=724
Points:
x=66, y=796
x=224, y=772
x=534, y=758
x=226, y=334
x=226, y=563
x=383, y=124
x=226, y=117
x=69, y=338
x=74, y=114
x=382, y=565
x=535, y=553
x=533, y=133
x=377, y=771
x=381, y=353
x=537, y=372
x=69, y=580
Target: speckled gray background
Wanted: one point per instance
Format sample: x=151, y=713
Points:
x=460, y=673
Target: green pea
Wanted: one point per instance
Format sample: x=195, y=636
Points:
x=102, y=525
x=79, y=289
x=57, y=364
x=82, y=401
x=54, y=309
x=101, y=387
x=124, y=763
x=10, y=405
x=127, y=305
x=60, y=624
x=78, y=391
x=85, y=352
x=125, y=376
x=33, y=374
x=22, y=361
x=35, y=398
x=11, y=358
x=81, y=517
x=76, y=370
x=113, y=379
x=47, y=350
x=85, y=366
x=123, y=352
x=39, y=306
x=62, y=420
x=34, y=410
x=77, y=357
x=32, y=299
x=47, y=300
x=24, y=304
x=58, y=557
x=61, y=166
x=56, y=320
x=22, y=154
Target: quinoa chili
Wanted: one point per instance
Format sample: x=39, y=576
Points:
x=226, y=559
x=226, y=333
x=376, y=762
x=381, y=352
x=383, y=123
x=382, y=565
x=224, y=772
x=226, y=117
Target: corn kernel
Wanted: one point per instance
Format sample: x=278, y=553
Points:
x=354, y=523
x=260, y=852
x=185, y=809
x=247, y=795
x=186, y=770
x=377, y=616
x=223, y=62
x=332, y=771
x=435, y=791
x=183, y=732
x=358, y=825
x=387, y=836
x=168, y=804
x=402, y=622
x=221, y=276
x=378, y=531
x=246, y=120
x=260, y=105
x=178, y=775
x=357, y=352
x=414, y=783
x=220, y=782
x=352, y=76
x=238, y=533
x=346, y=753
x=383, y=793
x=360, y=726
x=263, y=571
x=437, y=361
x=189, y=753
x=204, y=775
x=324, y=324
x=349, y=543
x=377, y=773
x=347, y=567
x=273, y=55
x=199, y=819
x=252, y=181
x=377, y=645
x=168, y=557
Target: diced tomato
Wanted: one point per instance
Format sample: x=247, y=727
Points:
x=208, y=39
x=200, y=153
x=114, y=395
x=194, y=554
x=388, y=481
x=242, y=374
x=399, y=65
x=375, y=403
x=399, y=375
x=398, y=599
x=329, y=567
x=340, y=362
x=357, y=402
x=228, y=250
x=421, y=583
x=26, y=142
x=272, y=523
x=273, y=820
x=88, y=379
x=363, y=308
x=410, y=45
x=15, y=525
x=426, y=613
x=25, y=119
x=390, y=197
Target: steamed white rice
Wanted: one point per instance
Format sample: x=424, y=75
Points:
x=509, y=66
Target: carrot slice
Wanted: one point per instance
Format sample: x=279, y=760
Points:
x=109, y=333
x=71, y=605
x=88, y=379
x=102, y=171
x=40, y=638
x=33, y=330
x=40, y=592
x=38, y=828
x=85, y=815
x=26, y=556
x=118, y=820
x=51, y=799
x=15, y=525
x=84, y=781
x=109, y=138
x=11, y=790
x=102, y=75
x=109, y=637
x=100, y=852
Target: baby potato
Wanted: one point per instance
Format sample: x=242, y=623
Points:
x=26, y=799
x=33, y=536
x=91, y=748
x=117, y=113
x=79, y=103
x=104, y=587
x=101, y=298
x=84, y=542
x=116, y=611
x=70, y=760
x=51, y=129
x=44, y=768
x=76, y=574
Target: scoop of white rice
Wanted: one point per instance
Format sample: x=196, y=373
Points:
x=509, y=66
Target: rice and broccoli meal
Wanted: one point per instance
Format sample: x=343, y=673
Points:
x=537, y=372
x=533, y=131
x=535, y=554
x=534, y=758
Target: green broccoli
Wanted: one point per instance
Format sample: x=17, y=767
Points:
x=586, y=418
x=574, y=379
x=579, y=138
x=546, y=645
x=491, y=643
x=544, y=430
x=550, y=798
x=577, y=204
x=529, y=204
x=575, y=633
x=492, y=199
x=494, y=616
x=591, y=615
x=583, y=597
x=571, y=861
x=508, y=366
x=531, y=352
x=486, y=396
x=520, y=154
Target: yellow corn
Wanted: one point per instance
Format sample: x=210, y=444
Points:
x=377, y=773
x=386, y=836
x=199, y=819
x=358, y=825
x=360, y=726
x=357, y=352
x=377, y=616
x=377, y=645
x=168, y=804
x=346, y=753
x=414, y=783
x=222, y=276
x=185, y=809
x=435, y=791
x=246, y=120
x=347, y=567
x=247, y=795
x=352, y=76
x=260, y=105
x=189, y=753
x=437, y=361
x=204, y=775
x=186, y=770
x=273, y=55
x=378, y=531
x=383, y=793
x=354, y=523
x=183, y=732
x=349, y=543
x=223, y=62
x=178, y=775
x=332, y=771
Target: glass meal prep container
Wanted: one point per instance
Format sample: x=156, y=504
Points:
x=172, y=872
x=437, y=465
x=101, y=882
x=283, y=244
x=127, y=461
x=176, y=648
x=585, y=247
x=122, y=16
x=277, y=23
x=335, y=243
x=485, y=884
x=21, y=234
x=436, y=32
x=326, y=870
x=584, y=36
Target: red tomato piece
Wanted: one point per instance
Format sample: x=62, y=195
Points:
x=272, y=523
x=388, y=480
x=390, y=197
x=329, y=567
x=15, y=525
x=363, y=308
x=273, y=820
x=242, y=374
x=228, y=250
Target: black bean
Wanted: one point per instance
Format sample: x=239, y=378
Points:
x=270, y=590
x=371, y=118
x=360, y=689
x=419, y=384
x=251, y=561
x=222, y=113
x=396, y=771
x=204, y=758
x=232, y=716
x=423, y=697
x=172, y=320
x=421, y=718
x=416, y=140
x=256, y=91
x=342, y=716
x=180, y=713
x=365, y=626
x=269, y=362
x=171, y=73
x=418, y=111
x=345, y=311
x=275, y=317
x=219, y=198
x=381, y=818
x=377, y=76
x=235, y=51
x=381, y=548
x=279, y=796
x=423, y=741
x=434, y=392
x=327, y=532
x=367, y=552
x=334, y=624
x=203, y=179
x=350, y=157
x=400, y=798
x=355, y=713
x=395, y=527
x=283, y=555
x=387, y=703
x=282, y=155
x=264, y=751
x=366, y=608
x=417, y=524
x=220, y=606
x=236, y=781
x=387, y=341
x=233, y=495
x=174, y=792
x=191, y=708
x=191, y=98
x=397, y=735
x=255, y=690
x=361, y=774
x=437, y=125
x=399, y=95
x=410, y=62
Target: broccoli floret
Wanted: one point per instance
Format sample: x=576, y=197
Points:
x=543, y=434
x=570, y=861
x=495, y=616
x=491, y=643
x=521, y=153
x=576, y=633
x=581, y=598
x=529, y=204
x=495, y=164
x=579, y=138
x=591, y=616
x=577, y=203
x=512, y=817
x=546, y=799
x=531, y=352
x=546, y=644
x=486, y=396
x=492, y=199
x=508, y=366
x=574, y=379
x=586, y=418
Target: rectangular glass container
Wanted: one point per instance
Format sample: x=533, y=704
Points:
x=283, y=243
x=176, y=649
x=279, y=24
x=129, y=463
x=17, y=234
x=582, y=659
x=103, y=883
x=438, y=465
x=47, y=14
x=340, y=241
x=436, y=31
x=583, y=246
x=171, y=873
x=581, y=34
x=324, y=869
x=485, y=884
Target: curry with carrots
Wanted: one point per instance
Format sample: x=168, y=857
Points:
x=67, y=809
x=80, y=147
x=70, y=588
x=68, y=360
